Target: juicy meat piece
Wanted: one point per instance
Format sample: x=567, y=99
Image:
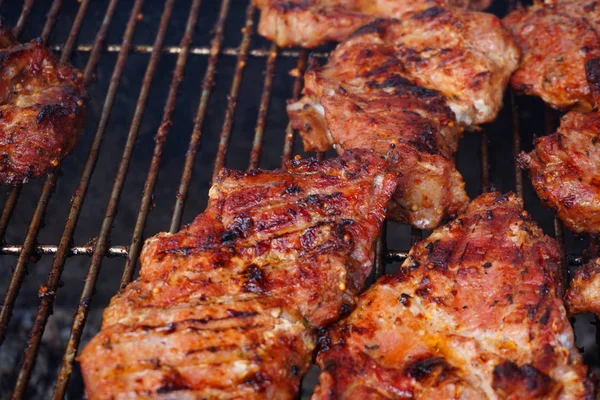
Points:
x=584, y=291
x=396, y=86
x=226, y=307
x=41, y=109
x=557, y=40
x=310, y=23
x=565, y=171
x=474, y=312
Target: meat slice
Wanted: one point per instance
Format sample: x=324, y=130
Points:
x=565, y=171
x=310, y=23
x=226, y=307
x=42, y=110
x=557, y=40
x=474, y=312
x=584, y=290
x=399, y=87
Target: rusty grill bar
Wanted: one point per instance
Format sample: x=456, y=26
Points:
x=102, y=247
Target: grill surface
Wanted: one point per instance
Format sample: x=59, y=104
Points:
x=178, y=89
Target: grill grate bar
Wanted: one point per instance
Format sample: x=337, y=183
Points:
x=263, y=109
x=32, y=231
x=288, y=146
x=234, y=92
x=207, y=86
x=48, y=249
x=58, y=263
x=198, y=50
x=516, y=131
x=111, y=210
x=51, y=19
x=25, y=11
x=161, y=136
x=7, y=210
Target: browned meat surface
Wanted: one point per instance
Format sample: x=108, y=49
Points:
x=557, y=40
x=584, y=291
x=226, y=307
x=398, y=87
x=565, y=171
x=41, y=109
x=310, y=23
x=475, y=312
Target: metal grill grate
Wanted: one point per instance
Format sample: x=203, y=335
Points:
x=192, y=20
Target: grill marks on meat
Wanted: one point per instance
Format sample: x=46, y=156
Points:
x=41, y=109
x=565, y=171
x=226, y=307
x=584, y=290
x=397, y=87
x=310, y=23
x=557, y=39
x=474, y=312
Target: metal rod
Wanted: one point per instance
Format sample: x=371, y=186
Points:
x=25, y=11
x=485, y=163
x=111, y=211
x=395, y=256
x=234, y=92
x=288, y=145
x=76, y=204
x=200, y=50
x=7, y=210
x=516, y=144
x=160, y=138
x=20, y=269
x=263, y=109
x=380, y=253
x=207, y=86
x=51, y=20
x=47, y=249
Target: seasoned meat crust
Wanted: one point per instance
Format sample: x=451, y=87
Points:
x=41, y=109
x=557, y=39
x=310, y=23
x=565, y=171
x=474, y=312
x=584, y=290
x=397, y=87
x=226, y=307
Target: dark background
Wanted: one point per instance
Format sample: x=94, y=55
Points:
x=501, y=159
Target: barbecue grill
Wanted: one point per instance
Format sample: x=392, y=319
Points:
x=177, y=90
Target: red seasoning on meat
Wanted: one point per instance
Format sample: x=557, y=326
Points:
x=475, y=312
x=226, y=307
x=42, y=110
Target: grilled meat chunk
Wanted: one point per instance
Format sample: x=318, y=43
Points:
x=41, y=109
x=226, y=307
x=396, y=86
x=565, y=171
x=310, y=23
x=584, y=290
x=557, y=40
x=474, y=312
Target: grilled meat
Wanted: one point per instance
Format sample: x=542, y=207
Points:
x=475, y=312
x=584, y=291
x=565, y=171
x=41, y=109
x=557, y=40
x=226, y=307
x=310, y=23
x=396, y=87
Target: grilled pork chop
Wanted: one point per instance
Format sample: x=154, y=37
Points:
x=557, y=39
x=565, y=171
x=399, y=87
x=226, y=307
x=41, y=109
x=310, y=23
x=475, y=312
x=584, y=290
